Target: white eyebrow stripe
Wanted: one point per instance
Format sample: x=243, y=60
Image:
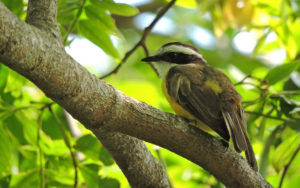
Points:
x=180, y=49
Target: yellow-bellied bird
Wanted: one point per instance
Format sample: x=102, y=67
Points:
x=203, y=94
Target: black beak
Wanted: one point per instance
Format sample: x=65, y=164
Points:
x=150, y=58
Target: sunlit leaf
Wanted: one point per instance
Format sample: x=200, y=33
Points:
x=187, y=3
x=60, y=179
x=284, y=152
x=281, y=72
x=90, y=176
x=94, y=32
x=238, y=13
x=116, y=8
x=29, y=178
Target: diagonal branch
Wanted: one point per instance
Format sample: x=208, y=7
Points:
x=20, y=43
x=98, y=105
x=142, y=41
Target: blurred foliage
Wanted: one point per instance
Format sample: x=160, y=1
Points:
x=33, y=145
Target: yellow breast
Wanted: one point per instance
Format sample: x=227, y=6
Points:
x=180, y=110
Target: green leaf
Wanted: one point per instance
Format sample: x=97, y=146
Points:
x=90, y=176
x=25, y=179
x=16, y=6
x=281, y=72
x=284, y=152
x=5, y=148
x=3, y=78
x=59, y=178
x=67, y=10
x=89, y=145
x=109, y=183
x=16, y=128
x=106, y=157
x=94, y=32
x=4, y=182
x=116, y=8
x=99, y=14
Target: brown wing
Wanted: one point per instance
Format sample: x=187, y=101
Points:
x=186, y=85
x=221, y=111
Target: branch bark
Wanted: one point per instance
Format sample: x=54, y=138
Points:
x=100, y=107
x=19, y=39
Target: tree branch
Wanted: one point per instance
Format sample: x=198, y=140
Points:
x=98, y=105
x=42, y=14
x=144, y=170
x=18, y=44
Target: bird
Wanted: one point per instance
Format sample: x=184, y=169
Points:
x=201, y=93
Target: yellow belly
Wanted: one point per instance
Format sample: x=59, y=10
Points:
x=181, y=111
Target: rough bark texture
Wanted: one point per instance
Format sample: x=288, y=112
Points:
x=40, y=57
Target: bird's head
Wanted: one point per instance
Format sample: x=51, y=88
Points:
x=172, y=54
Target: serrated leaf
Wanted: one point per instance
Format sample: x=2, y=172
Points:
x=3, y=78
x=99, y=14
x=94, y=32
x=284, y=152
x=116, y=8
x=281, y=72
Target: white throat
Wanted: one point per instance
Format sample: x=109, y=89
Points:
x=162, y=68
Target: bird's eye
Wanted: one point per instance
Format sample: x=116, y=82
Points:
x=173, y=55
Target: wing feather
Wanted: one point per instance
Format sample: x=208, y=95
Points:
x=222, y=111
x=196, y=98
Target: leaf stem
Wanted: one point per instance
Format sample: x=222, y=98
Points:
x=67, y=142
x=75, y=20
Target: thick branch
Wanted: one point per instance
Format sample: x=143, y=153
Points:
x=144, y=170
x=98, y=105
x=18, y=46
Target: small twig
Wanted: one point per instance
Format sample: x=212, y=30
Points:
x=286, y=167
x=72, y=26
x=142, y=40
x=262, y=81
x=265, y=115
x=242, y=81
x=67, y=142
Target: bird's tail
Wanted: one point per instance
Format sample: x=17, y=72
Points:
x=250, y=155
